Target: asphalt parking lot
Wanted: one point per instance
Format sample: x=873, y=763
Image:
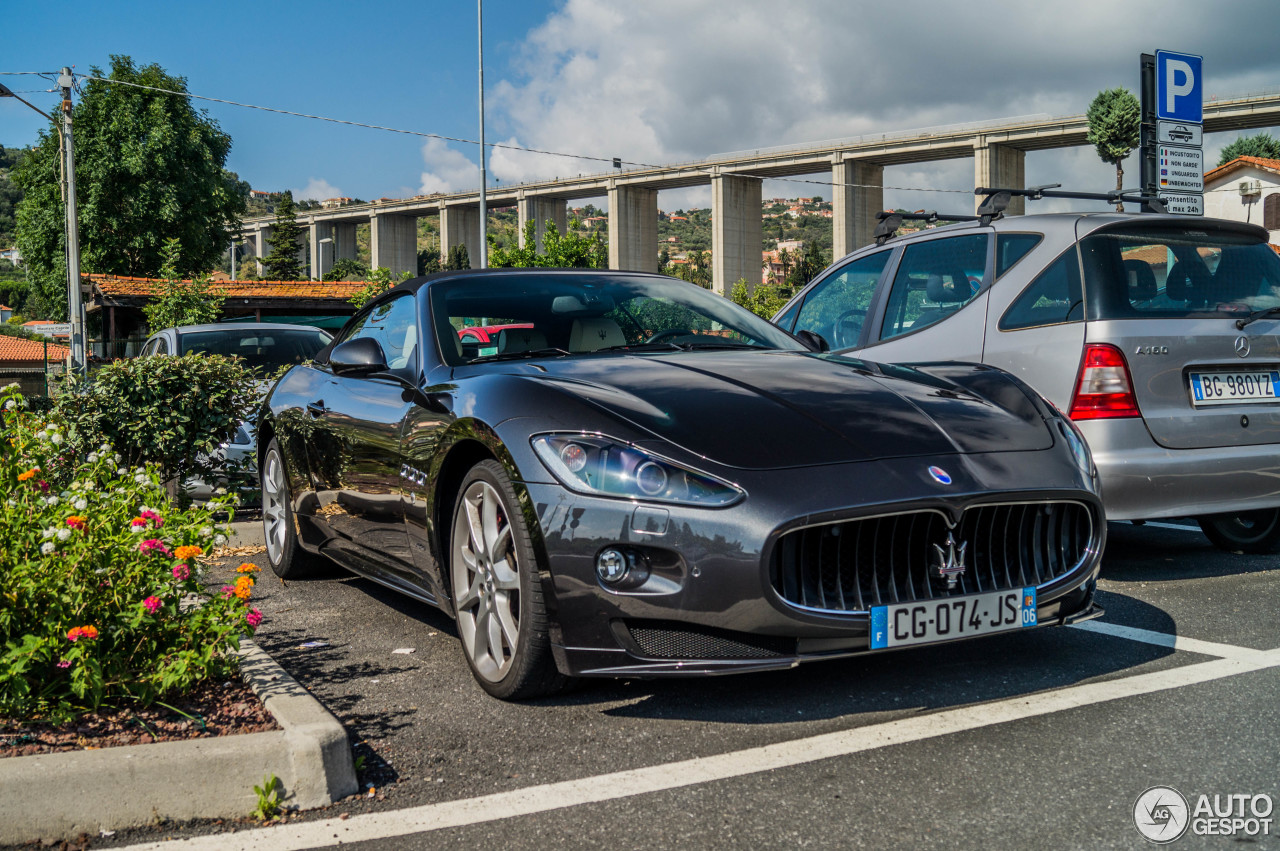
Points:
x=1044, y=738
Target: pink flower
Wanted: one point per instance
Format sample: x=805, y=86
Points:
x=64, y=663
x=152, y=604
x=153, y=517
x=181, y=571
x=254, y=618
x=228, y=590
x=44, y=486
x=154, y=545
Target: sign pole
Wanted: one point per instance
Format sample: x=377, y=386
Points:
x=1147, y=132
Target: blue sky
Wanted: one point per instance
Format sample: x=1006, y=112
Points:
x=655, y=81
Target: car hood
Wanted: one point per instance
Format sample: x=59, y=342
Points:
x=772, y=410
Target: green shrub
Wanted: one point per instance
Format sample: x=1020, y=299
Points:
x=764, y=299
x=169, y=411
x=100, y=593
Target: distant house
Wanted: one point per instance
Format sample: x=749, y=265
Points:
x=330, y=203
x=1247, y=189
x=12, y=255
x=30, y=362
x=5, y=312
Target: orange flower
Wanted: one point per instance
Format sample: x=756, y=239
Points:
x=248, y=568
x=30, y=474
x=189, y=551
x=244, y=587
x=78, y=632
x=75, y=521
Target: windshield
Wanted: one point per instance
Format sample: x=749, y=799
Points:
x=268, y=349
x=1173, y=272
x=530, y=316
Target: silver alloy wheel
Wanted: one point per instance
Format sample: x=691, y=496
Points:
x=485, y=578
x=274, y=493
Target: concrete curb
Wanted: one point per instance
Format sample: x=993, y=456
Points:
x=62, y=795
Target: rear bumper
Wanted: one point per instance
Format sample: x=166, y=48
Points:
x=1142, y=480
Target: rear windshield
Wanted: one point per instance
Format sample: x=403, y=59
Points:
x=1174, y=272
x=268, y=349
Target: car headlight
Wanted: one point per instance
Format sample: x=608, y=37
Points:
x=600, y=466
x=1079, y=448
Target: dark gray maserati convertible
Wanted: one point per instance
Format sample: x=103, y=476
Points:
x=635, y=477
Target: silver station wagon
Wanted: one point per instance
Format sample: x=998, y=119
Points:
x=1159, y=335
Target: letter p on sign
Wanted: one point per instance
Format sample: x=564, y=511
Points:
x=1179, y=93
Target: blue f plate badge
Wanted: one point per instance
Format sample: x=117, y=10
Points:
x=949, y=619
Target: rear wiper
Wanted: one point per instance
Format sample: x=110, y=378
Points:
x=531, y=353
x=1255, y=315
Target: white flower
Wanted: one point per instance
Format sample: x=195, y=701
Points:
x=220, y=540
x=122, y=472
x=10, y=405
x=89, y=486
x=63, y=534
x=56, y=438
x=220, y=491
x=118, y=459
x=13, y=386
x=93, y=458
x=140, y=470
x=138, y=530
x=47, y=547
x=206, y=531
x=81, y=504
x=141, y=478
x=104, y=448
x=49, y=533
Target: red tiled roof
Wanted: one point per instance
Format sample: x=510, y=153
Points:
x=29, y=351
x=1241, y=162
x=113, y=285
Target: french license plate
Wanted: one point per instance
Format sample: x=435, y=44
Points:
x=928, y=621
x=1231, y=388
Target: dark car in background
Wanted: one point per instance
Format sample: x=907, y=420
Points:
x=1156, y=334
x=263, y=346
x=652, y=481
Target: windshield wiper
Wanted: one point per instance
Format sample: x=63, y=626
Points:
x=642, y=347
x=531, y=353
x=1256, y=315
x=725, y=344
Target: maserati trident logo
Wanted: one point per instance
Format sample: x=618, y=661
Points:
x=1242, y=346
x=948, y=564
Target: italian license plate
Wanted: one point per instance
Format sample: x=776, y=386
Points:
x=928, y=621
x=1231, y=388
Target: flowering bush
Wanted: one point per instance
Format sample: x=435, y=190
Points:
x=100, y=593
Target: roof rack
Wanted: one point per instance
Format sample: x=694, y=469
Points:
x=891, y=221
x=1000, y=196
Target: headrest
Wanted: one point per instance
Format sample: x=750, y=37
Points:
x=520, y=340
x=1142, y=280
x=592, y=334
x=941, y=292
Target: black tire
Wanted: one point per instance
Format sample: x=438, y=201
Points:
x=492, y=585
x=1253, y=532
x=279, y=526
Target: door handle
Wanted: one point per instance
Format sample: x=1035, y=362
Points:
x=316, y=408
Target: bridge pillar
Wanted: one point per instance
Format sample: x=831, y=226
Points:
x=1002, y=166
x=393, y=243
x=736, y=231
x=460, y=225
x=322, y=256
x=633, y=228
x=258, y=239
x=344, y=241
x=854, y=207
x=540, y=210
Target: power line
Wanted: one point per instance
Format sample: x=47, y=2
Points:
x=589, y=157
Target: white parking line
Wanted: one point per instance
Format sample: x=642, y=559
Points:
x=1164, y=639
x=658, y=778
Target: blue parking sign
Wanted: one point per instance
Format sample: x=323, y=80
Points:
x=1179, y=87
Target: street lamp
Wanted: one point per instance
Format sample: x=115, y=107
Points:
x=75, y=307
x=320, y=244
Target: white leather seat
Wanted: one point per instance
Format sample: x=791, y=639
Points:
x=599, y=332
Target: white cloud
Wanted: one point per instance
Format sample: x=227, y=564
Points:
x=317, y=190
x=677, y=80
x=447, y=170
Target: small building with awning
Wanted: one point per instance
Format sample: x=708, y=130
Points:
x=117, y=302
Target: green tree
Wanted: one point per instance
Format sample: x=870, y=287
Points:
x=148, y=166
x=380, y=280
x=811, y=262
x=458, y=259
x=559, y=251
x=1262, y=145
x=1114, y=119
x=347, y=269
x=282, y=262
x=763, y=299
x=10, y=195
x=179, y=302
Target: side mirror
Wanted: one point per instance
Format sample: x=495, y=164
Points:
x=361, y=356
x=815, y=341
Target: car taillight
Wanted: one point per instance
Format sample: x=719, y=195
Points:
x=1104, y=389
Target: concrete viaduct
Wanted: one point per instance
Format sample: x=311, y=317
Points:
x=856, y=168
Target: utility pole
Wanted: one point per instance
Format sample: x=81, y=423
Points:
x=75, y=306
x=233, y=259
x=484, y=218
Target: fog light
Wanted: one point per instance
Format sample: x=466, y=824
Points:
x=612, y=567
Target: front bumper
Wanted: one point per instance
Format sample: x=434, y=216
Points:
x=1142, y=480
x=712, y=606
